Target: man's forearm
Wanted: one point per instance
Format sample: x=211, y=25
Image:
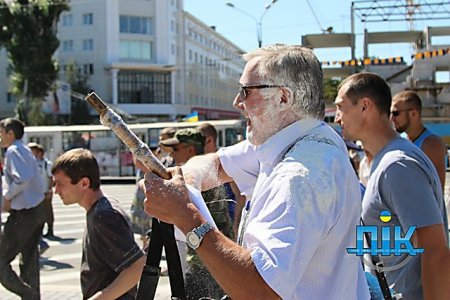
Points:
x=230, y=264
x=435, y=262
x=126, y=280
x=233, y=268
x=15, y=188
x=205, y=172
x=436, y=277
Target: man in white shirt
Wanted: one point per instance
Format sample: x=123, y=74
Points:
x=305, y=204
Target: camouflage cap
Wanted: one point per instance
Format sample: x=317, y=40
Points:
x=188, y=136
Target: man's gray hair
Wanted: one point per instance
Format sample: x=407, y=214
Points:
x=297, y=68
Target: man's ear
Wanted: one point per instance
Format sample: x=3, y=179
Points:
x=286, y=96
x=192, y=151
x=365, y=104
x=85, y=182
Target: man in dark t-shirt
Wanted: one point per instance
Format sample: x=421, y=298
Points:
x=112, y=262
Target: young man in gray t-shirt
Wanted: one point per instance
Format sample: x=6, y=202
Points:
x=404, y=182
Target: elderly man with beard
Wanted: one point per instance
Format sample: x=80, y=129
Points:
x=305, y=204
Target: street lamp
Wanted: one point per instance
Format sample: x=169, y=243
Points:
x=258, y=21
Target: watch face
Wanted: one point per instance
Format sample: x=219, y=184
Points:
x=193, y=240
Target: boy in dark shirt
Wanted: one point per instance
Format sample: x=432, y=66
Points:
x=112, y=262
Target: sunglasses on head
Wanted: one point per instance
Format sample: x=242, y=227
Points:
x=243, y=93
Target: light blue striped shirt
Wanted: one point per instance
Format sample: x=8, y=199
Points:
x=24, y=185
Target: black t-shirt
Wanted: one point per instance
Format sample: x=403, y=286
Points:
x=108, y=247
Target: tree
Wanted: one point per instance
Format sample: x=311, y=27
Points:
x=330, y=89
x=28, y=33
x=80, y=113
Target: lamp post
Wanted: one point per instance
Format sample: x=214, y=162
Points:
x=258, y=21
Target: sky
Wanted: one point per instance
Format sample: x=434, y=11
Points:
x=287, y=20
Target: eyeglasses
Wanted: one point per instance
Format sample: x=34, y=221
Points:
x=243, y=93
x=396, y=113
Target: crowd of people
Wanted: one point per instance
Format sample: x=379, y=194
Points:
x=286, y=202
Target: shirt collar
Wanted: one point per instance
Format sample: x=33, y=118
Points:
x=271, y=150
x=17, y=142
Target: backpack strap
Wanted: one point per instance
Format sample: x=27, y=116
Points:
x=162, y=235
x=382, y=281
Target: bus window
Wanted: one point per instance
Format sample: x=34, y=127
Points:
x=45, y=140
x=220, y=138
x=231, y=136
x=126, y=161
x=75, y=139
x=153, y=137
x=106, y=147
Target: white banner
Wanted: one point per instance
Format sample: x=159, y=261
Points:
x=58, y=102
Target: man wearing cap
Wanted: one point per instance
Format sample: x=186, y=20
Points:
x=45, y=168
x=186, y=144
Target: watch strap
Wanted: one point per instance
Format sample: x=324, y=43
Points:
x=203, y=229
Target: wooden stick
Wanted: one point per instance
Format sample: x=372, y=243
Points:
x=140, y=150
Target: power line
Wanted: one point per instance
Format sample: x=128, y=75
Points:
x=314, y=14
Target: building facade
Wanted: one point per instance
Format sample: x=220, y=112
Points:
x=148, y=58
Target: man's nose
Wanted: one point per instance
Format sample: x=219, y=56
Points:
x=237, y=102
x=337, y=117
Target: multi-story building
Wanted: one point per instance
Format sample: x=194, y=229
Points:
x=148, y=58
x=421, y=76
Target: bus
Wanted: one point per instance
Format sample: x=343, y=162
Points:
x=114, y=158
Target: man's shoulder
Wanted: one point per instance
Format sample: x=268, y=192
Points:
x=13, y=148
x=106, y=208
x=316, y=152
x=398, y=150
x=434, y=143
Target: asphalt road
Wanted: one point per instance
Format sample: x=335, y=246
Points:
x=60, y=271
x=61, y=262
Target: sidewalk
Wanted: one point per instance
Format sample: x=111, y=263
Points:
x=58, y=292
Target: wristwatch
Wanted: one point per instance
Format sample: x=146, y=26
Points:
x=195, y=237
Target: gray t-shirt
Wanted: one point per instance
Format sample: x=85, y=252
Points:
x=404, y=182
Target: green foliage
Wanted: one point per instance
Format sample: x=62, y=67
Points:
x=330, y=89
x=28, y=33
x=80, y=113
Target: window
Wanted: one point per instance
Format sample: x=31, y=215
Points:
x=137, y=25
x=67, y=46
x=88, y=19
x=67, y=20
x=190, y=55
x=88, y=45
x=442, y=76
x=144, y=87
x=9, y=97
x=88, y=69
x=141, y=50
